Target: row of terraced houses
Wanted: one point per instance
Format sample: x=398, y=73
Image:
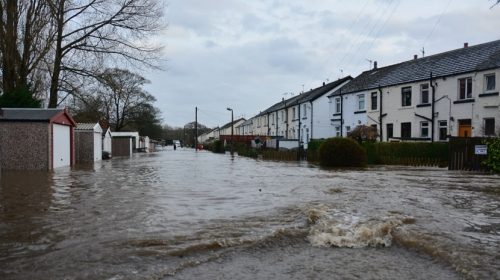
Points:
x=454, y=93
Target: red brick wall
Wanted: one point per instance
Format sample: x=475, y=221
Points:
x=24, y=146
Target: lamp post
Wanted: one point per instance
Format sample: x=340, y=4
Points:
x=232, y=129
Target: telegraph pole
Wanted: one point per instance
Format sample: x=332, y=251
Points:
x=196, y=128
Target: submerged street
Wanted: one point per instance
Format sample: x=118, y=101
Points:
x=191, y=215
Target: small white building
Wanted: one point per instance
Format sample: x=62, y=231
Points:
x=88, y=142
x=106, y=141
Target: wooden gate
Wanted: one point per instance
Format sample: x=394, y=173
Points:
x=463, y=154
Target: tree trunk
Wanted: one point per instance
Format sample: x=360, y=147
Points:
x=56, y=71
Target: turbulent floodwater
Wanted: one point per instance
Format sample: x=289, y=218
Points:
x=197, y=215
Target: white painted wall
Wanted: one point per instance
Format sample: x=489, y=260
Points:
x=447, y=91
x=107, y=141
x=97, y=146
x=61, y=145
x=321, y=117
x=350, y=116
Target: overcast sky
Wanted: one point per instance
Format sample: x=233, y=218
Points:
x=248, y=55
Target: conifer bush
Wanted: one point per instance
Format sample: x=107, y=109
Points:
x=342, y=152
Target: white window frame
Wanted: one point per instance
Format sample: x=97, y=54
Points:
x=337, y=131
x=304, y=110
x=486, y=76
x=337, y=105
x=424, y=125
x=467, y=94
x=361, y=101
x=424, y=88
x=374, y=94
x=403, y=92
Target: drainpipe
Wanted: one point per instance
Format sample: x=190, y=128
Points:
x=381, y=129
x=277, y=125
x=433, y=108
x=299, y=124
x=341, y=114
x=312, y=116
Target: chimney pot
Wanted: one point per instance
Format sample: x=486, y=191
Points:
x=466, y=45
x=323, y=83
x=415, y=57
x=375, y=66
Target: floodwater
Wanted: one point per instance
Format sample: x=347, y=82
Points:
x=196, y=215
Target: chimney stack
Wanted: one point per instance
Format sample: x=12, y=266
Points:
x=466, y=45
x=415, y=57
x=323, y=83
x=375, y=66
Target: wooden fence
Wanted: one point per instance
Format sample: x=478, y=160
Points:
x=290, y=155
x=463, y=154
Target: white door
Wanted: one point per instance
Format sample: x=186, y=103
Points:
x=62, y=145
x=97, y=146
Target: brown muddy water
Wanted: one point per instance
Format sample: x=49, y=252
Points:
x=197, y=215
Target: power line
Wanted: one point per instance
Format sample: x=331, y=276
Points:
x=363, y=33
x=437, y=22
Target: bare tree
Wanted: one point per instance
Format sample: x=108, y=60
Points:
x=91, y=33
x=25, y=38
x=123, y=97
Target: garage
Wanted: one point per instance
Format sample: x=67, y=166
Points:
x=62, y=145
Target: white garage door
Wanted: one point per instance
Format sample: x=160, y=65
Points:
x=97, y=146
x=62, y=146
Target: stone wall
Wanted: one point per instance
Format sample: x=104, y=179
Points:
x=24, y=145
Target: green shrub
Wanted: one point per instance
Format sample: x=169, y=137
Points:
x=20, y=98
x=218, y=147
x=341, y=152
x=313, y=148
x=493, y=161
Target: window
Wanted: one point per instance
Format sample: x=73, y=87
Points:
x=424, y=129
x=374, y=101
x=337, y=105
x=283, y=116
x=294, y=113
x=304, y=110
x=464, y=88
x=489, y=127
x=348, y=129
x=337, y=131
x=424, y=94
x=272, y=118
x=390, y=131
x=406, y=96
x=361, y=102
x=406, y=130
x=443, y=130
x=489, y=82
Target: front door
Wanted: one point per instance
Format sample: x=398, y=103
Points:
x=464, y=128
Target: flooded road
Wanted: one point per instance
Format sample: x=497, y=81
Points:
x=197, y=215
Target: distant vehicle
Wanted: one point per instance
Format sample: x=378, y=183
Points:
x=177, y=143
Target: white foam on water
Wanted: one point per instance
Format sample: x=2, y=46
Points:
x=350, y=231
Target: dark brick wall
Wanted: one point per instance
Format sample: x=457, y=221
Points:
x=24, y=146
x=84, y=146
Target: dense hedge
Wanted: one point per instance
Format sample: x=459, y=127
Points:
x=407, y=153
x=493, y=161
x=341, y=152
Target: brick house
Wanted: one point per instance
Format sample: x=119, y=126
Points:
x=36, y=139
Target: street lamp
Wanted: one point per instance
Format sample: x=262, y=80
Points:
x=232, y=129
